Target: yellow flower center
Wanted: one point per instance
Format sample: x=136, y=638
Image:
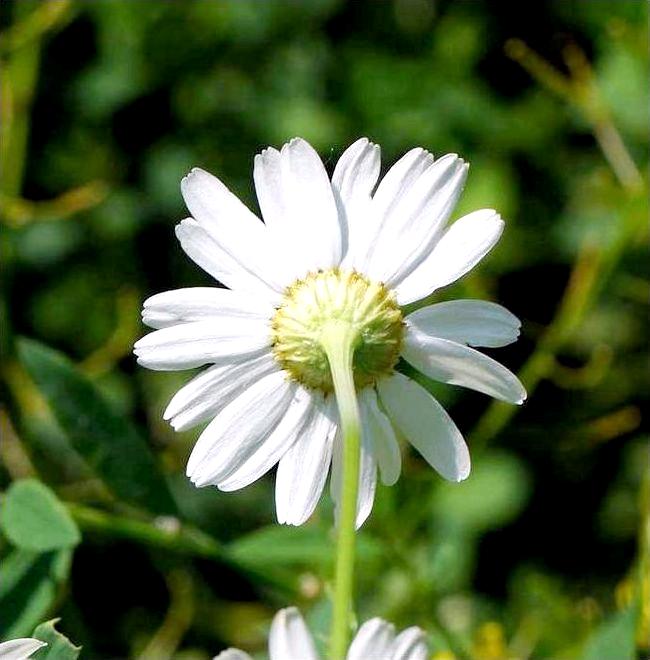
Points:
x=339, y=296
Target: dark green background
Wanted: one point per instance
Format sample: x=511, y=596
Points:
x=536, y=555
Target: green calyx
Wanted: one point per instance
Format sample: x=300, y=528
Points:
x=322, y=300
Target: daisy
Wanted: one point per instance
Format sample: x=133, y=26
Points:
x=20, y=649
x=345, y=254
x=289, y=639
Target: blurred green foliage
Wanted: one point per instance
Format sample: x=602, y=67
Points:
x=543, y=552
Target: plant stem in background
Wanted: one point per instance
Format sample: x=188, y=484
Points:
x=593, y=263
x=164, y=643
x=20, y=46
x=643, y=623
x=18, y=77
x=167, y=534
x=338, y=342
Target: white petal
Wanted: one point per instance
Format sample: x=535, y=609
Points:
x=461, y=247
x=213, y=389
x=384, y=443
x=190, y=345
x=414, y=221
x=232, y=654
x=267, y=174
x=237, y=230
x=303, y=469
x=357, y=171
x=201, y=303
x=399, y=178
x=295, y=421
x=20, y=649
x=457, y=364
x=426, y=425
x=236, y=432
x=298, y=206
x=473, y=322
x=374, y=639
x=367, y=476
x=289, y=638
x=215, y=207
x=218, y=260
x=353, y=181
x=410, y=644
x=311, y=201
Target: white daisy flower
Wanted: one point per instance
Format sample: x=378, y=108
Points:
x=289, y=639
x=345, y=250
x=20, y=649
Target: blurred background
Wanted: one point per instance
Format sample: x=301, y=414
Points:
x=106, y=104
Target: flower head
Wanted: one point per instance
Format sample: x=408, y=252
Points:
x=20, y=649
x=346, y=252
x=289, y=639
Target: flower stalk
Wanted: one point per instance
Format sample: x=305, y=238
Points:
x=338, y=340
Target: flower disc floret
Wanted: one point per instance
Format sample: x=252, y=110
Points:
x=309, y=308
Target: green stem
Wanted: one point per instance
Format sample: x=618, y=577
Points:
x=595, y=263
x=184, y=540
x=18, y=77
x=593, y=266
x=338, y=341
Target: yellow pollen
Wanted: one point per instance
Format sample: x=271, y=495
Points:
x=337, y=295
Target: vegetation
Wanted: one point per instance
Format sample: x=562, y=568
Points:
x=543, y=552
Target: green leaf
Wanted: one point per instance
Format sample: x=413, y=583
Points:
x=107, y=441
x=59, y=647
x=450, y=560
x=29, y=583
x=290, y=546
x=319, y=621
x=494, y=493
x=613, y=639
x=33, y=518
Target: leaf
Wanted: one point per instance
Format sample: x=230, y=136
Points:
x=107, y=441
x=614, y=638
x=59, y=647
x=287, y=546
x=281, y=545
x=450, y=560
x=494, y=493
x=29, y=583
x=319, y=622
x=33, y=518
